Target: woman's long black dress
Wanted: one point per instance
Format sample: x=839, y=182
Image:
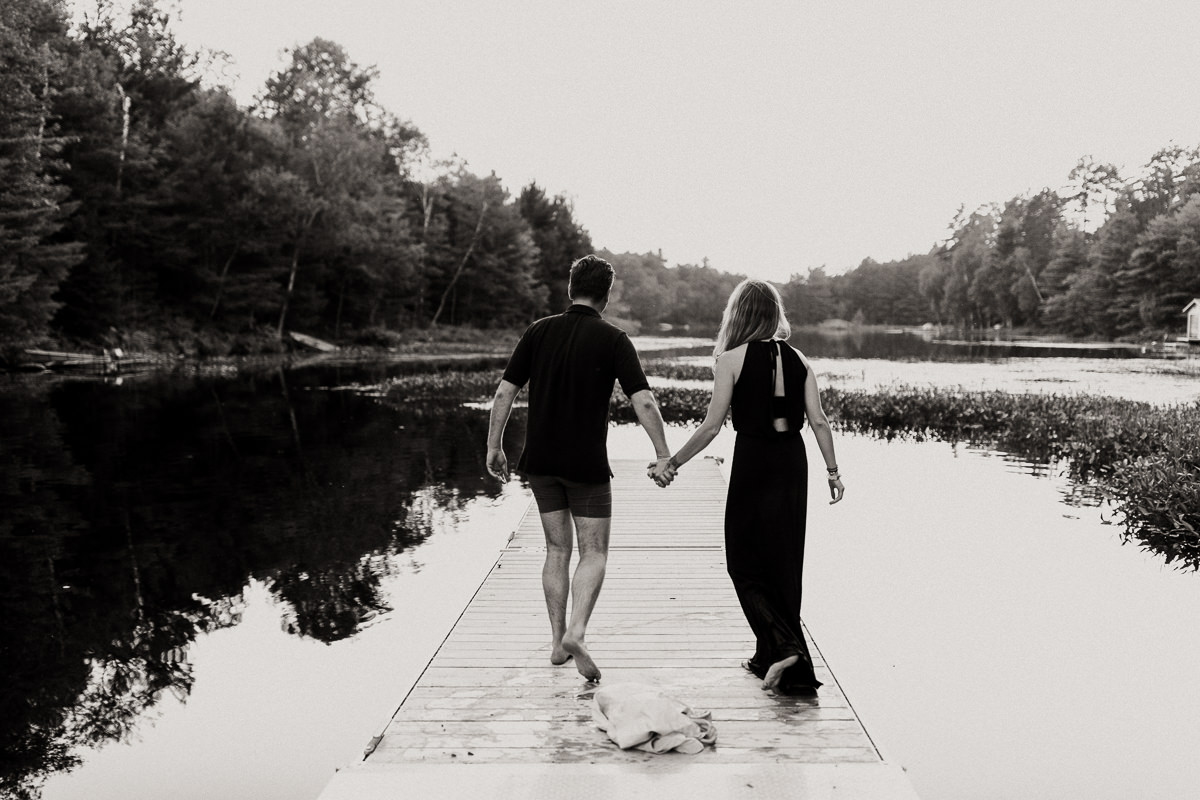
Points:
x=765, y=510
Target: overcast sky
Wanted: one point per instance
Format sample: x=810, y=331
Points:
x=769, y=137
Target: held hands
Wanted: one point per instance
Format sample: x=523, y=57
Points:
x=497, y=464
x=661, y=472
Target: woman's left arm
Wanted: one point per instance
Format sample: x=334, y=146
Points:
x=820, y=426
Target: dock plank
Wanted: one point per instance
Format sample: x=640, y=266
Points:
x=490, y=700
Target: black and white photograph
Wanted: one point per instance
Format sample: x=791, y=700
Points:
x=538, y=400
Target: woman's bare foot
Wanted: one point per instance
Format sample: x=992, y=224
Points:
x=559, y=656
x=775, y=672
x=583, y=662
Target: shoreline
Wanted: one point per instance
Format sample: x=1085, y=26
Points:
x=114, y=362
x=458, y=345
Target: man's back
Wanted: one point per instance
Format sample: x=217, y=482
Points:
x=570, y=361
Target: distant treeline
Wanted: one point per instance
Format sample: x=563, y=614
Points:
x=1111, y=258
x=1037, y=262
x=140, y=205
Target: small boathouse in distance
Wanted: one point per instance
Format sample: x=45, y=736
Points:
x=1192, y=311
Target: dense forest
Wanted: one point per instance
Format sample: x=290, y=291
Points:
x=141, y=206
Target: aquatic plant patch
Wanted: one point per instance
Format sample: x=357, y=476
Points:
x=678, y=405
x=453, y=385
x=667, y=368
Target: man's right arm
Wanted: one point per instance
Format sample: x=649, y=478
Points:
x=497, y=462
x=646, y=409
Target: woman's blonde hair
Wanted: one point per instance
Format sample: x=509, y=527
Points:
x=754, y=311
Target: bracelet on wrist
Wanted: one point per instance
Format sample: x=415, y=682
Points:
x=834, y=476
x=673, y=463
x=831, y=470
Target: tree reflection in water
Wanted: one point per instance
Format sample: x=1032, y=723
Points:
x=134, y=516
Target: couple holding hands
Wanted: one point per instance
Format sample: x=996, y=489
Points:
x=570, y=362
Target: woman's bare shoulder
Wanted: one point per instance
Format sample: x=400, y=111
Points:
x=735, y=352
x=803, y=358
x=732, y=359
x=734, y=355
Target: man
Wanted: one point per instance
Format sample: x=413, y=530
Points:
x=570, y=361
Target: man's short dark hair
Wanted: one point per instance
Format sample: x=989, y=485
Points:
x=591, y=277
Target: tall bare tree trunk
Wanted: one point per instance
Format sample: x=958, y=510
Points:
x=427, y=207
x=45, y=100
x=337, y=325
x=125, y=103
x=291, y=284
x=287, y=295
x=462, y=264
x=221, y=281
x=1033, y=281
x=427, y=219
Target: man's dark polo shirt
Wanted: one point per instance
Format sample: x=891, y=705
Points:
x=570, y=361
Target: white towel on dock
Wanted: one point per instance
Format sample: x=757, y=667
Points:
x=640, y=716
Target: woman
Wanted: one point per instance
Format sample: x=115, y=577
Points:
x=771, y=389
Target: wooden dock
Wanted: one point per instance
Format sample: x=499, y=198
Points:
x=491, y=717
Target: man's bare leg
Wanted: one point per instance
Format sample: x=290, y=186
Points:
x=585, y=588
x=556, y=578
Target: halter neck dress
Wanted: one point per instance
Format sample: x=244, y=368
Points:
x=765, y=510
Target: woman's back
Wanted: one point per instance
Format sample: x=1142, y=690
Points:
x=762, y=394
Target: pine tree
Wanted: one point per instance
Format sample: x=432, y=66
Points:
x=33, y=204
x=559, y=238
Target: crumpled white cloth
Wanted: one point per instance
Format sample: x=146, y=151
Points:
x=636, y=715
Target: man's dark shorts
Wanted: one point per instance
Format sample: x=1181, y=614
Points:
x=584, y=499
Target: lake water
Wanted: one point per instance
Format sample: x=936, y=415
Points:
x=222, y=587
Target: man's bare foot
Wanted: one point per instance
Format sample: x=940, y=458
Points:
x=775, y=672
x=559, y=656
x=583, y=662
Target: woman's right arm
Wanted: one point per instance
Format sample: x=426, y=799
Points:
x=718, y=409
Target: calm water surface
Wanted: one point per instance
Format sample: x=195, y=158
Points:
x=874, y=359
x=222, y=588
